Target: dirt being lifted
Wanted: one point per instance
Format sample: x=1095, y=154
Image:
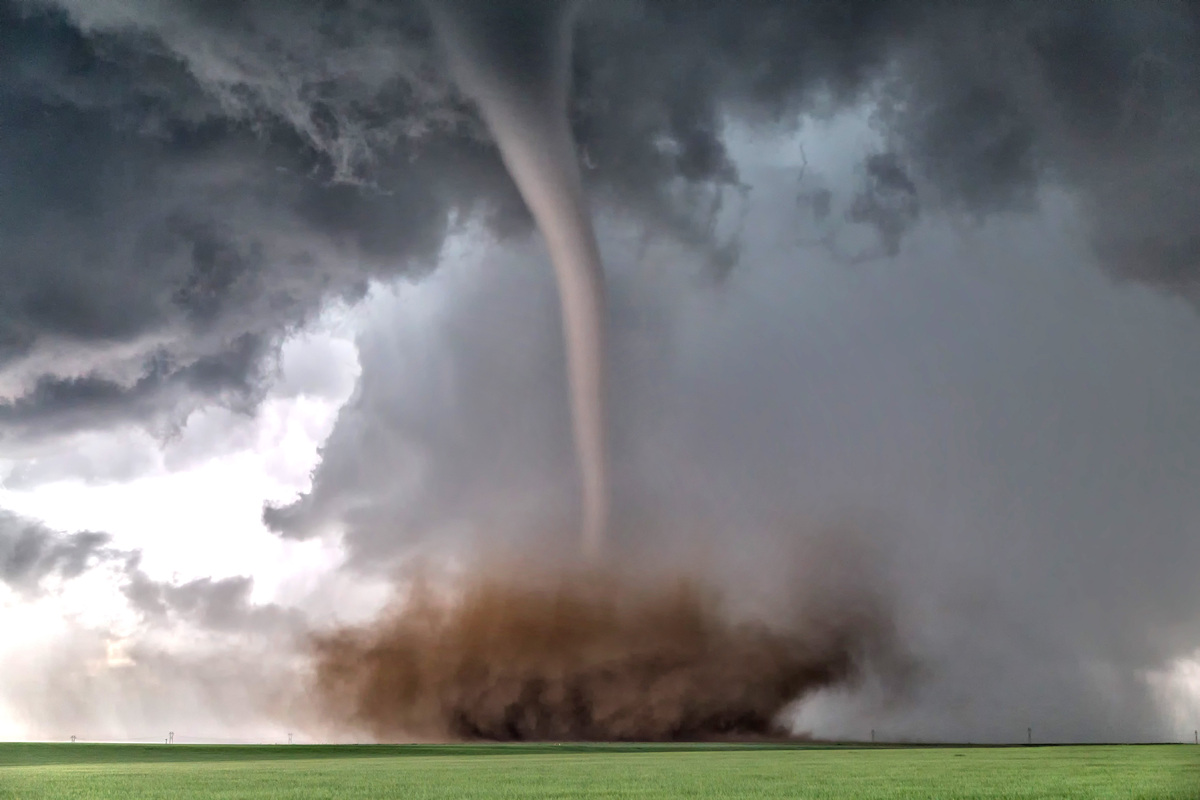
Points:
x=584, y=655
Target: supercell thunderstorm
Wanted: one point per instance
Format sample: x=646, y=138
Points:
x=188, y=183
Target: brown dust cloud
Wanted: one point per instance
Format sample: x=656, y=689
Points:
x=591, y=653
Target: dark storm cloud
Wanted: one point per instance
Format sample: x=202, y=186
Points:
x=183, y=175
x=1101, y=98
x=183, y=185
x=234, y=376
x=30, y=553
x=173, y=238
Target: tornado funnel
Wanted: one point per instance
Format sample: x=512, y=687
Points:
x=513, y=59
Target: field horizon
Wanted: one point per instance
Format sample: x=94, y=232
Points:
x=805, y=769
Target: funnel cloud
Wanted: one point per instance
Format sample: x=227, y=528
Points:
x=514, y=60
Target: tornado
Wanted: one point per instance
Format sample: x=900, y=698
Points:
x=513, y=60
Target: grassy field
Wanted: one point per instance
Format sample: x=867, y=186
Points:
x=66, y=771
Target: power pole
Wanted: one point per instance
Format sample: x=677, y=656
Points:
x=1029, y=734
x=171, y=737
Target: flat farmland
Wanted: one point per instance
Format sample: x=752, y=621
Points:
x=299, y=772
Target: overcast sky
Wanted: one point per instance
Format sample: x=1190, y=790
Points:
x=273, y=319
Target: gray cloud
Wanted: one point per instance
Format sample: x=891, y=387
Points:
x=1100, y=98
x=218, y=605
x=218, y=175
x=30, y=553
x=203, y=199
x=164, y=391
x=183, y=236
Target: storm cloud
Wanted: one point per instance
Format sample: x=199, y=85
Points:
x=975, y=335
x=187, y=182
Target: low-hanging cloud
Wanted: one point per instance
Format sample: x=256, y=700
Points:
x=31, y=553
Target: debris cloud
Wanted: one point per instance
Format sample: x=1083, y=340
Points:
x=589, y=655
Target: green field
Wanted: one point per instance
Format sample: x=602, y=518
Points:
x=65, y=771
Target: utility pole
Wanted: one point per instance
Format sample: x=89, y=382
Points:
x=1029, y=735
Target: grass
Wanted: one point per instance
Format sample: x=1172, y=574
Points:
x=179, y=772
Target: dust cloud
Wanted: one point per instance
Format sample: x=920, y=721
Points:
x=592, y=653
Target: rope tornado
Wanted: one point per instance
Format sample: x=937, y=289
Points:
x=513, y=60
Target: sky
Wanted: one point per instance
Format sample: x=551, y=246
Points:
x=274, y=322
